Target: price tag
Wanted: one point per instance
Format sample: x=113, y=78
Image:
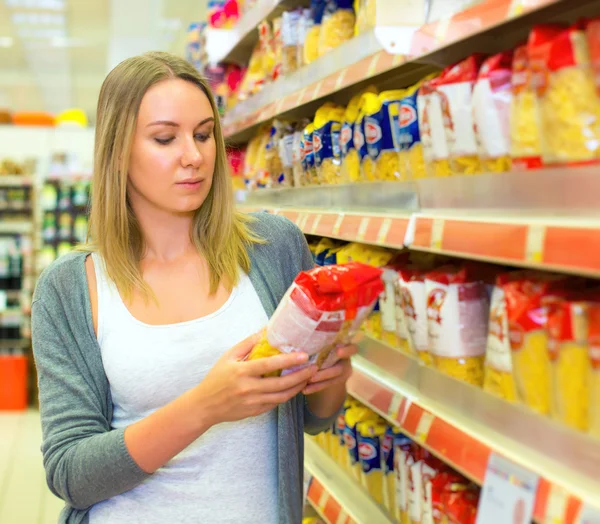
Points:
x=534, y=249
x=589, y=515
x=373, y=65
x=340, y=79
x=508, y=493
x=315, y=225
x=322, y=502
x=338, y=224
x=395, y=407
x=437, y=232
x=424, y=426
x=303, y=222
x=362, y=229
x=556, y=506
x=386, y=225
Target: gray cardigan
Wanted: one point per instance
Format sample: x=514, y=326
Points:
x=85, y=460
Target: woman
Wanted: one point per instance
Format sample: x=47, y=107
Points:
x=149, y=411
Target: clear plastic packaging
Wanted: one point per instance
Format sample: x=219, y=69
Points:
x=365, y=124
x=569, y=103
x=350, y=161
x=290, y=29
x=354, y=416
x=277, y=164
x=403, y=461
x=337, y=26
x=491, y=112
x=366, y=15
x=458, y=311
x=308, y=161
x=312, y=31
x=277, y=46
x=411, y=150
x=322, y=309
x=298, y=154
x=304, y=25
x=326, y=143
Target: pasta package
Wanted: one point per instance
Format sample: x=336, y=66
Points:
x=370, y=436
x=276, y=155
x=322, y=309
x=298, y=154
x=337, y=26
x=594, y=369
x=312, y=31
x=414, y=304
x=492, y=96
x=433, y=109
x=387, y=305
x=387, y=466
x=458, y=311
x=569, y=103
x=368, y=106
x=354, y=416
x=456, y=87
x=403, y=461
x=366, y=15
x=446, y=488
x=527, y=319
x=326, y=143
x=499, y=379
x=277, y=49
x=290, y=29
x=567, y=329
x=529, y=72
x=411, y=156
x=340, y=427
x=308, y=152
x=350, y=161
x=593, y=38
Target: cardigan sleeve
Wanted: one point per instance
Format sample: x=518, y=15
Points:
x=85, y=460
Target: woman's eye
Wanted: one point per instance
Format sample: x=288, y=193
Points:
x=164, y=141
x=202, y=137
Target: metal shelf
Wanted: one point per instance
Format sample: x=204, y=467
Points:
x=463, y=425
x=16, y=228
x=334, y=494
x=15, y=181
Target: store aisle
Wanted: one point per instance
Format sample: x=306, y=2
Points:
x=24, y=496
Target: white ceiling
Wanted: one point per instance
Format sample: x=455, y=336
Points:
x=54, y=54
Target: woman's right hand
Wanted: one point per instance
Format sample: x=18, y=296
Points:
x=235, y=389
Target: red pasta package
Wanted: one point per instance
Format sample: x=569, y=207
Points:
x=322, y=309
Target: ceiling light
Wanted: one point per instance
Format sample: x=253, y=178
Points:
x=6, y=41
x=49, y=5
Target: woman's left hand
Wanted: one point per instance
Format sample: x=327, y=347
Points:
x=339, y=373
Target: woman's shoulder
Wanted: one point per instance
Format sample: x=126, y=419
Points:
x=66, y=276
x=275, y=228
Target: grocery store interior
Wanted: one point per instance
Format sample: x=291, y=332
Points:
x=445, y=154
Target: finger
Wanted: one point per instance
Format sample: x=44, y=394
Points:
x=242, y=349
x=320, y=386
x=347, y=351
x=262, y=366
x=327, y=374
x=277, y=384
x=283, y=396
x=358, y=337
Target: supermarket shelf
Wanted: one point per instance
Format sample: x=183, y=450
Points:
x=20, y=343
x=488, y=27
x=15, y=181
x=17, y=228
x=334, y=495
x=236, y=44
x=463, y=425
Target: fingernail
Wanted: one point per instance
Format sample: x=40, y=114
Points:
x=301, y=357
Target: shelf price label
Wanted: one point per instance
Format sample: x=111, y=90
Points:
x=315, y=225
x=386, y=225
x=508, y=493
x=424, y=426
x=534, y=249
x=362, y=229
x=437, y=233
x=338, y=224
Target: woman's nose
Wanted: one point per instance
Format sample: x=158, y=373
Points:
x=191, y=156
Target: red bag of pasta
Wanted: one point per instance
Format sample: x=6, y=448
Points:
x=322, y=309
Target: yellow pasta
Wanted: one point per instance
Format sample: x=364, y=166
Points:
x=351, y=166
x=500, y=383
x=497, y=165
x=570, y=377
x=440, y=168
x=369, y=435
x=524, y=126
x=468, y=369
x=366, y=12
x=368, y=169
x=416, y=162
x=337, y=27
x=465, y=165
x=263, y=350
x=311, y=44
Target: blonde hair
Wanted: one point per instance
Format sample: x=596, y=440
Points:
x=219, y=233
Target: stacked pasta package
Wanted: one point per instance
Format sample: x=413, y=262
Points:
x=322, y=309
x=326, y=143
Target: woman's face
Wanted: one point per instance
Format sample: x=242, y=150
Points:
x=173, y=153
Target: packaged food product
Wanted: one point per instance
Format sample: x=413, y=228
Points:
x=277, y=46
x=326, y=143
x=403, y=461
x=411, y=149
x=594, y=369
x=340, y=427
x=308, y=162
x=458, y=311
x=461, y=505
x=567, y=330
x=499, y=379
x=593, y=38
x=415, y=492
x=261, y=64
x=256, y=173
x=322, y=250
x=569, y=103
x=370, y=435
x=387, y=466
x=304, y=25
x=382, y=133
x=433, y=109
x=387, y=305
x=529, y=71
x=444, y=488
x=366, y=15
x=456, y=85
x=414, y=303
x=350, y=161
x=528, y=338
x=430, y=469
x=322, y=309
x=312, y=33
x=286, y=155
x=337, y=26
x=354, y=416
x=274, y=162
x=492, y=96
x=289, y=40
x=298, y=154
x=368, y=106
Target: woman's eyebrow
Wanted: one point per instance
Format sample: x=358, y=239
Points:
x=175, y=124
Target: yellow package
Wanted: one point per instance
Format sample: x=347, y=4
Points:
x=366, y=15
x=387, y=305
x=387, y=466
x=569, y=103
x=298, y=154
x=594, y=369
x=326, y=143
x=354, y=416
x=368, y=102
x=337, y=26
x=499, y=378
x=350, y=160
x=411, y=156
x=370, y=436
x=312, y=32
x=308, y=163
x=567, y=329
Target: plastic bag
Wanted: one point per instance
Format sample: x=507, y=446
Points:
x=322, y=309
x=290, y=29
x=403, y=461
x=326, y=143
x=370, y=435
x=277, y=46
x=366, y=124
x=411, y=150
x=387, y=466
x=337, y=26
x=458, y=311
x=312, y=31
x=569, y=103
x=304, y=25
x=350, y=161
x=298, y=154
x=491, y=112
x=366, y=15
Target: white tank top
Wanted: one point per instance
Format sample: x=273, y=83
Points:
x=228, y=475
